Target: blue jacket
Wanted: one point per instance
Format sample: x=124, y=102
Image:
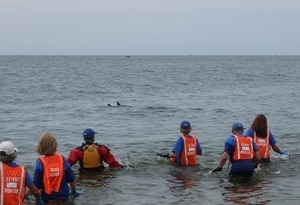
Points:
x=64, y=192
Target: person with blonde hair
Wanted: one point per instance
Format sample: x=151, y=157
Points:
x=53, y=173
x=263, y=138
x=14, y=178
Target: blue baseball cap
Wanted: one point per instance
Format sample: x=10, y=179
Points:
x=237, y=125
x=88, y=133
x=185, y=125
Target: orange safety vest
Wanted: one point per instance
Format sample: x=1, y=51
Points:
x=263, y=145
x=91, y=157
x=12, y=184
x=53, y=172
x=189, y=152
x=243, y=148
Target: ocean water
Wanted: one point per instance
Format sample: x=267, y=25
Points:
x=66, y=94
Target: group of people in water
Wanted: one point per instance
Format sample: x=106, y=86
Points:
x=243, y=151
x=53, y=173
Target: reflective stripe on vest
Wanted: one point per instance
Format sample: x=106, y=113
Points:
x=243, y=148
x=189, y=152
x=263, y=145
x=12, y=181
x=53, y=172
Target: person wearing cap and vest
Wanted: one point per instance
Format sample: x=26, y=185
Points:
x=14, y=178
x=242, y=152
x=53, y=173
x=263, y=138
x=186, y=148
x=91, y=155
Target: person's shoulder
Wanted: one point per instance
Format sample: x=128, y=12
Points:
x=271, y=136
x=79, y=147
x=180, y=139
x=102, y=147
x=230, y=139
x=13, y=164
x=97, y=144
x=195, y=137
x=270, y=133
x=249, y=132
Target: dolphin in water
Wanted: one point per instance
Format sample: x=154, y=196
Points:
x=118, y=104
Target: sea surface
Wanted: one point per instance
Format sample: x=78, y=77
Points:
x=66, y=94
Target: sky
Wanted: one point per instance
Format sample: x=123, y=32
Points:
x=149, y=27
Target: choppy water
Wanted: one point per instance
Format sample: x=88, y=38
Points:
x=66, y=94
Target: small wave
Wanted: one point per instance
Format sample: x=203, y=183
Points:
x=281, y=156
x=161, y=109
x=196, y=109
x=221, y=110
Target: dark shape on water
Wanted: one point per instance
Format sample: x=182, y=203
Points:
x=118, y=104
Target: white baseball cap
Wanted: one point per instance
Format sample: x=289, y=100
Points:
x=7, y=147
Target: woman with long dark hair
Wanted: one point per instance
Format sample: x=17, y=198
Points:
x=263, y=138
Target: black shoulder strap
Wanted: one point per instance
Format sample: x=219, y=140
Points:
x=81, y=146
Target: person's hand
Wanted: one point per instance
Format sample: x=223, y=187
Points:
x=218, y=169
x=39, y=202
x=284, y=152
x=257, y=168
x=164, y=155
x=75, y=193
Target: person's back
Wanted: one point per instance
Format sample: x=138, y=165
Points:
x=189, y=150
x=14, y=190
x=91, y=160
x=52, y=172
x=91, y=155
x=263, y=138
x=14, y=178
x=242, y=152
x=186, y=148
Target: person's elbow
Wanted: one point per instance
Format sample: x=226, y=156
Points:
x=71, y=163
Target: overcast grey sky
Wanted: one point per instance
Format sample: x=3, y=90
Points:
x=150, y=27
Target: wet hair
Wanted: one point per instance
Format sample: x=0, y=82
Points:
x=8, y=158
x=260, y=126
x=47, y=144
